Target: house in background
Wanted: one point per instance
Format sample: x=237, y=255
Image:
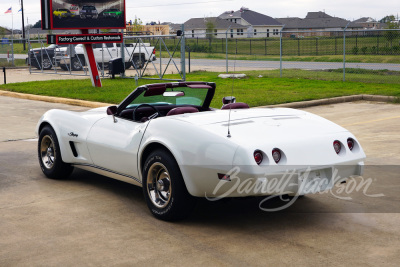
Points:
x=368, y=23
x=197, y=28
x=316, y=24
x=257, y=24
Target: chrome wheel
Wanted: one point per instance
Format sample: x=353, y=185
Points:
x=46, y=64
x=138, y=62
x=76, y=64
x=159, y=185
x=47, y=152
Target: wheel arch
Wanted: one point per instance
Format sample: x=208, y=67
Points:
x=42, y=125
x=150, y=148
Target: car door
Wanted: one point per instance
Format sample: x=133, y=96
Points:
x=114, y=145
x=104, y=52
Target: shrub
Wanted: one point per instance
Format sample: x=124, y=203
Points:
x=364, y=50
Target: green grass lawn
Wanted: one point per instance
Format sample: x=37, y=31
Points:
x=17, y=63
x=253, y=90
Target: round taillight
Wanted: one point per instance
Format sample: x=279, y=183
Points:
x=337, y=146
x=350, y=143
x=276, y=155
x=258, y=157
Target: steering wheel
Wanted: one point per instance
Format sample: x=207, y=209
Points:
x=155, y=115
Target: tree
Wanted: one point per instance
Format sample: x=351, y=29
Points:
x=391, y=24
x=38, y=24
x=137, y=25
x=2, y=32
x=387, y=19
x=210, y=27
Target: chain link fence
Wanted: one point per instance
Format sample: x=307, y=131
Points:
x=141, y=58
x=348, y=55
x=342, y=55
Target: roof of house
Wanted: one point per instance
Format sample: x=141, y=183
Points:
x=201, y=23
x=365, y=20
x=6, y=31
x=316, y=20
x=252, y=17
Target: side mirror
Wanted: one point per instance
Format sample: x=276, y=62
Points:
x=228, y=100
x=112, y=110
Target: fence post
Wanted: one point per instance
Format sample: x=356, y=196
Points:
x=183, y=47
x=265, y=46
x=226, y=38
x=335, y=45
x=281, y=52
x=316, y=45
x=236, y=46
x=250, y=46
x=122, y=56
x=12, y=50
x=377, y=44
x=298, y=46
x=344, y=52
x=4, y=70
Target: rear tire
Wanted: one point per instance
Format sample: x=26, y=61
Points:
x=128, y=65
x=164, y=189
x=49, y=155
x=138, y=62
x=76, y=65
x=64, y=67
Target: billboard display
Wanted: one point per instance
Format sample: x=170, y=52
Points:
x=83, y=14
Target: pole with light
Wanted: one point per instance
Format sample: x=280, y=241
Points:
x=23, y=24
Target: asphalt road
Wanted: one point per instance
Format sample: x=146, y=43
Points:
x=263, y=64
x=90, y=220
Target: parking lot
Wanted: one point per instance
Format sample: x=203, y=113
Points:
x=92, y=220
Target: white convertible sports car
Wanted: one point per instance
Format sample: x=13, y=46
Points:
x=167, y=139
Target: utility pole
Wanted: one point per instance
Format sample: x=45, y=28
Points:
x=23, y=24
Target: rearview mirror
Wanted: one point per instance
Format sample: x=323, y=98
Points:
x=228, y=100
x=174, y=93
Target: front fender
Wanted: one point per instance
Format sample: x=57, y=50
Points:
x=70, y=127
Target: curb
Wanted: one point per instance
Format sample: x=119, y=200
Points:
x=60, y=100
x=301, y=104
x=334, y=100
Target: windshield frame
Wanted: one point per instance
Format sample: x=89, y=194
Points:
x=159, y=88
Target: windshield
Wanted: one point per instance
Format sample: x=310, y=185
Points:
x=89, y=8
x=172, y=96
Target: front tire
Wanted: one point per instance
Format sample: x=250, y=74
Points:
x=49, y=155
x=46, y=64
x=164, y=189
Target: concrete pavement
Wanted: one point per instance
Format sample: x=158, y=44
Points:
x=92, y=220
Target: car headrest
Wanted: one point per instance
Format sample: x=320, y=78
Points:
x=182, y=110
x=237, y=105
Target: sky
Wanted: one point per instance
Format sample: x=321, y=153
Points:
x=179, y=11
